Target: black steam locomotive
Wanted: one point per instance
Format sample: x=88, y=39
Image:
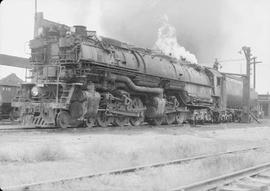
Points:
x=78, y=78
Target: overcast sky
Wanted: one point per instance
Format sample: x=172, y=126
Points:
x=208, y=28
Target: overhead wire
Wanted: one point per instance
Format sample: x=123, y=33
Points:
x=239, y=61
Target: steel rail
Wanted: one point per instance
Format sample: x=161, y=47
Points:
x=129, y=170
x=220, y=181
x=85, y=128
x=5, y=129
x=15, y=129
x=210, y=125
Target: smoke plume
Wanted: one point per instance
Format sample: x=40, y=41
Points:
x=167, y=42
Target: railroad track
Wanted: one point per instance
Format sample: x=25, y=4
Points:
x=23, y=129
x=6, y=123
x=249, y=179
x=39, y=185
x=18, y=128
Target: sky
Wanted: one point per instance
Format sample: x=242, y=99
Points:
x=207, y=28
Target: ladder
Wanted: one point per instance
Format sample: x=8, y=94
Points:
x=254, y=117
x=68, y=90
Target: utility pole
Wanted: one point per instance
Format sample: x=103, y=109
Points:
x=35, y=6
x=35, y=22
x=246, y=86
x=254, y=62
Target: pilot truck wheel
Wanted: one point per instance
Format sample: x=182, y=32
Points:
x=62, y=119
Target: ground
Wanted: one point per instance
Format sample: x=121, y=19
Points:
x=41, y=155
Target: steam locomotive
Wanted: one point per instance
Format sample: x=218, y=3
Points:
x=80, y=78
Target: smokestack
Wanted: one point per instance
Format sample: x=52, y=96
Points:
x=38, y=23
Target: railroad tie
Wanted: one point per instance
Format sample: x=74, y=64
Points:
x=259, y=180
x=232, y=188
x=251, y=186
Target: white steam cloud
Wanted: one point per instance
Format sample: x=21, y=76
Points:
x=168, y=44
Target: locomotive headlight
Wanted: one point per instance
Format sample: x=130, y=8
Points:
x=35, y=91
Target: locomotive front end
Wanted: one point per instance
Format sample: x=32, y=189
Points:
x=55, y=96
x=36, y=104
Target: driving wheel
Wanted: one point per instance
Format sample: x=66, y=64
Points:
x=179, y=118
x=103, y=120
x=169, y=118
x=90, y=122
x=137, y=105
x=156, y=121
x=121, y=121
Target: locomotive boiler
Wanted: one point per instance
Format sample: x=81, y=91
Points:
x=78, y=78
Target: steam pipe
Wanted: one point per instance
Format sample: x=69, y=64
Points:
x=134, y=87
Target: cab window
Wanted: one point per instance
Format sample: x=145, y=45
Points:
x=218, y=81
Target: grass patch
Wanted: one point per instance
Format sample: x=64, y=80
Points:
x=102, y=155
x=48, y=152
x=166, y=178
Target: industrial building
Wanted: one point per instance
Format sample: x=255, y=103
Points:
x=264, y=101
x=8, y=89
